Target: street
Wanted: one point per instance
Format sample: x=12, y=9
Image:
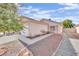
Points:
x=66, y=48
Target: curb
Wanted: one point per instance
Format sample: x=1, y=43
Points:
x=32, y=42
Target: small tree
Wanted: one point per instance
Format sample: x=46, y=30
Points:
x=67, y=23
x=9, y=18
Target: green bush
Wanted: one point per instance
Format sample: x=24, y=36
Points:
x=67, y=23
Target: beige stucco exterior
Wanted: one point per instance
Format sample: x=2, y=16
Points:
x=54, y=26
x=60, y=28
x=77, y=29
x=33, y=27
x=36, y=29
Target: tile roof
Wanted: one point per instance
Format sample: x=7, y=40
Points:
x=32, y=20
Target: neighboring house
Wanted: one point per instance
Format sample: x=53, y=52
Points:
x=53, y=26
x=60, y=28
x=77, y=28
x=33, y=27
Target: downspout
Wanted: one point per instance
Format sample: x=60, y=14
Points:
x=48, y=28
x=29, y=29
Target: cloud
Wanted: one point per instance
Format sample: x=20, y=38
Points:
x=75, y=19
x=40, y=16
x=69, y=6
x=35, y=12
x=46, y=11
x=25, y=8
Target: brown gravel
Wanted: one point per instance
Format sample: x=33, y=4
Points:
x=14, y=48
x=75, y=35
x=24, y=52
x=3, y=50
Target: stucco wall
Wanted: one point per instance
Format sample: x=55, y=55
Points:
x=77, y=29
x=51, y=24
x=36, y=28
x=60, y=29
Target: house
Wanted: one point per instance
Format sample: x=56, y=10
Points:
x=33, y=27
x=54, y=26
x=77, y=28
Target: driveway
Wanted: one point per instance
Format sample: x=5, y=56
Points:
x=47, y=46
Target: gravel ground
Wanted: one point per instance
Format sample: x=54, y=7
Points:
x=47, y=46
x=66, y=48
x=13, y=48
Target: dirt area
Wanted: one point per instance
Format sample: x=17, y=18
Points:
x=3, y=50
x=76, y=35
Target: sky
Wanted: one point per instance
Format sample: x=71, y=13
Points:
x=54, y=11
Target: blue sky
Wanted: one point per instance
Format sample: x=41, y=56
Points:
x=55, y=11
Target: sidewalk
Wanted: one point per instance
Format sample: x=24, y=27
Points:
x=75, y=43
